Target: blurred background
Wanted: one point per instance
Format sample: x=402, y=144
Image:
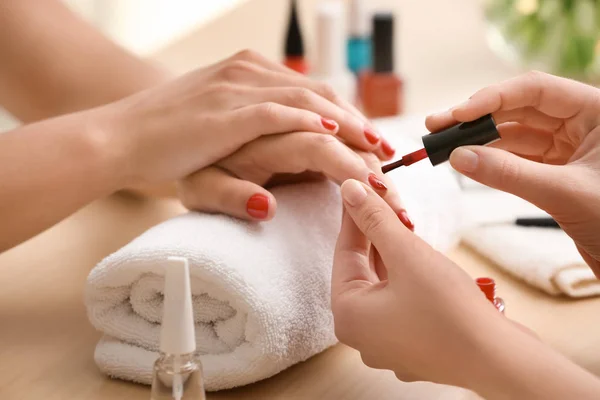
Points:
x=443, y=50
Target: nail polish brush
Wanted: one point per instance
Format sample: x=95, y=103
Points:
x=439, y=145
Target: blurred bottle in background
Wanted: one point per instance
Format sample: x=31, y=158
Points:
x=381, y=90
x=359, y=38
x=330, y=64
x=294, y=44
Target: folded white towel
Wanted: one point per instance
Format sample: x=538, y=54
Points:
x=544, y=258
x=261, y=291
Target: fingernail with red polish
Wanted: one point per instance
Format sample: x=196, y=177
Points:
x=404, y=218
x=387, y=148
x=258, y=206
x=376, y=183
x=329, y=124
x=371, y=136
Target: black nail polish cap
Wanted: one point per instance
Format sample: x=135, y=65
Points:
x=383, y=43
x=294, y=45
x=441, y=144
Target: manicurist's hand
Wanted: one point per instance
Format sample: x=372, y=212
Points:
x=409, y=309
x=549, y=153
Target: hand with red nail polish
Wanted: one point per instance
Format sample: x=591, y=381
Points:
x=237, y=184
x=172, y=130
x=234, y=184
x=407, y=308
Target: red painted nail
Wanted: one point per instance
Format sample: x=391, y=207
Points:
x=371, y=136
x=329, y=124
x=376, y=183
x=387, y=148
x=258, y=206
x=403, y=215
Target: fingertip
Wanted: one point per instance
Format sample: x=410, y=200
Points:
x=261, y=206
x=331, y=126
x=373, y=138
x=439, y=121
x=406, y=220
x=354, y=192
x=464, y=160
x=385, y=151
x=272, y=208
x=463, y=112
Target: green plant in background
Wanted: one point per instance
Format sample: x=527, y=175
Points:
x=559, y=36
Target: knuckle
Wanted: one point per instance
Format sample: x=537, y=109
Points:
x=246, y=54
x=325, y=142
x=236, y=69
x=535, y=75
x=270, y=112
x=509, y=173
x=371, y=160
x=220, y=91
x=303, y=96
x=327, y=91
x=534, y=81
x=372, y=220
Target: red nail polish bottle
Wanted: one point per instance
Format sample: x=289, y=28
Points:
x=380, y=88
x=294, y=45
x=488, y=287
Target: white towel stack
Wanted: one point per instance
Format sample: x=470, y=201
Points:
x=261, y=291
x=545, y=258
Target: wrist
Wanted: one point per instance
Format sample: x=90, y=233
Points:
x=511, y=363
x=109, y=155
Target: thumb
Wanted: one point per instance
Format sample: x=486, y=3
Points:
x=540, y=184
x=372, y=215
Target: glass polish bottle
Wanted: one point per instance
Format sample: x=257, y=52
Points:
x=177, y=373
x=330, y=66
x=358, y=46
x=381, y=89
x=294, y=43
x=488, y=287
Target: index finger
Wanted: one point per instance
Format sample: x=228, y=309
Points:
x=552, y=95
x=351, y=260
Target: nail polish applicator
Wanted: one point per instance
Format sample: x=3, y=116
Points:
x=439, y=145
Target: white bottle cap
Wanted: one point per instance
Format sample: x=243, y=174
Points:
x=331, y=54
x=177, y=335
x=358, y=19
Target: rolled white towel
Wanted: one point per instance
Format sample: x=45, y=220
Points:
x=261, y=291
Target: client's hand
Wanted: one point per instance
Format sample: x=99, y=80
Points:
x=549, y=153
x=174, y=129
x=236, y=184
